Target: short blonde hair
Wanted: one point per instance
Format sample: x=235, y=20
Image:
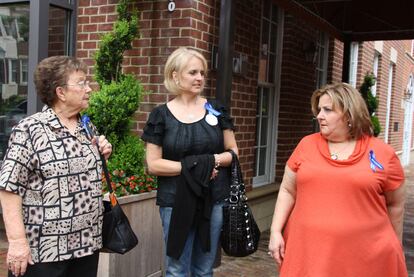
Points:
x=176, y=62
x=347, y=99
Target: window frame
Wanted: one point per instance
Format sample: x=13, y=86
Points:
x=322, y=47
x=271, y=140
x=38, y=38
x=22, y=81
x=353, y=63
x=375, y=68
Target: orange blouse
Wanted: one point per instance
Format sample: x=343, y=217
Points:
x=339, y=226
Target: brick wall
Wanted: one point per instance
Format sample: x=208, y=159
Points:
x=297, y=84
x=400, y=78
x=335, y=61
x=196, y=23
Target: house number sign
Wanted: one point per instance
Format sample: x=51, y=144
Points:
x=171, y=6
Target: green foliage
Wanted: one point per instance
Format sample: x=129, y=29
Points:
x=8, y=104
x=111, y=109
x=113, y=45
x=376, y=124
x=371, y=101
x=128, y=156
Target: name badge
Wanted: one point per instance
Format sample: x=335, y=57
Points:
x=211, y=117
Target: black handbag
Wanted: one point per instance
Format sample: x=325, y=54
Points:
x=239, y=235
x=117, y=234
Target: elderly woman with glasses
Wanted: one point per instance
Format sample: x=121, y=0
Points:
x=50, y=180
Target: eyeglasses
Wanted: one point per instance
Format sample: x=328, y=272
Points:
x=81, y=84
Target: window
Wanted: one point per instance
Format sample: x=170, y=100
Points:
x=52, y=32
x=389, y=95
x=375, y=72
x=353, y=64
x=13, y=71
x=322, y=59
x=267, y=94
x=23, y=71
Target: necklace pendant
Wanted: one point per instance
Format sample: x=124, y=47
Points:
x=334, y=156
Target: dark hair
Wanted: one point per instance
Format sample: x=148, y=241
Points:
x=53, y=72
x=348, y=100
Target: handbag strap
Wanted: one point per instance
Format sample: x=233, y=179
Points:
x=237, y=187
x=112, y=196
x=90, y=134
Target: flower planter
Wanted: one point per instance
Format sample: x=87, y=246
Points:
x=146, y=259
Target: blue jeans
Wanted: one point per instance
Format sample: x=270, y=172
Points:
x=193, y=261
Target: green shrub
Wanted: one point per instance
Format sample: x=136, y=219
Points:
x=128, y=156
x=376, y=124
x=112, y=107
x=371, y=101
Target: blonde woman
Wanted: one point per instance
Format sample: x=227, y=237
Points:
x=190, y=134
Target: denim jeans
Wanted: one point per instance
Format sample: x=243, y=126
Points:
x=193, y=261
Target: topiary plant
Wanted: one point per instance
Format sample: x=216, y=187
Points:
x=112, y=107
x=371, y=101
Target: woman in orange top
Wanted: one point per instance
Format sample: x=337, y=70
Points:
x=341, y=201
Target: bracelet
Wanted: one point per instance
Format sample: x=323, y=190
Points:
x=216, y=161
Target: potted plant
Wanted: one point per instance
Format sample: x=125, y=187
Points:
x=110, y=111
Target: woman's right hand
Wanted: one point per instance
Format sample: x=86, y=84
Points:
x=18, y=256
x=277, y=247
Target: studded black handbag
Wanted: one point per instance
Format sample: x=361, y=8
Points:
x=239, y=235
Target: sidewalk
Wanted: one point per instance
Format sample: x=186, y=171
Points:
x=261, y=265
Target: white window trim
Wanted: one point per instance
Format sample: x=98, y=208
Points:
x=389, y=94
x=10, y=62
x=270, y=174
x=324, y=41
x=375, y=72
x=22, y=82
x=353, y=63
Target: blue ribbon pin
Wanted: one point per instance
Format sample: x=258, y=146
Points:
x=373, y=162
x=211, y=110
x=85, y=124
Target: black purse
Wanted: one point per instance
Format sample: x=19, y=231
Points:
x=239, y=235
x=117, y=234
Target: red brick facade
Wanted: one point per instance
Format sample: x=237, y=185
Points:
x=196, y=23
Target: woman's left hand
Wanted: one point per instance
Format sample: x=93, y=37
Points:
x=104, y=146
x=18, y=256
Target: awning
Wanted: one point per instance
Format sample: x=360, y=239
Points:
x=357, y=20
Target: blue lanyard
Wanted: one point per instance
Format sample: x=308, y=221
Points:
x=211, y=110
x=373, y=162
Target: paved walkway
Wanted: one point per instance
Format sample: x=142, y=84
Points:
x=261, y=265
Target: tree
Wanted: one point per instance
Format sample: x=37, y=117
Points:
x=371, y=101
x=112, y=107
